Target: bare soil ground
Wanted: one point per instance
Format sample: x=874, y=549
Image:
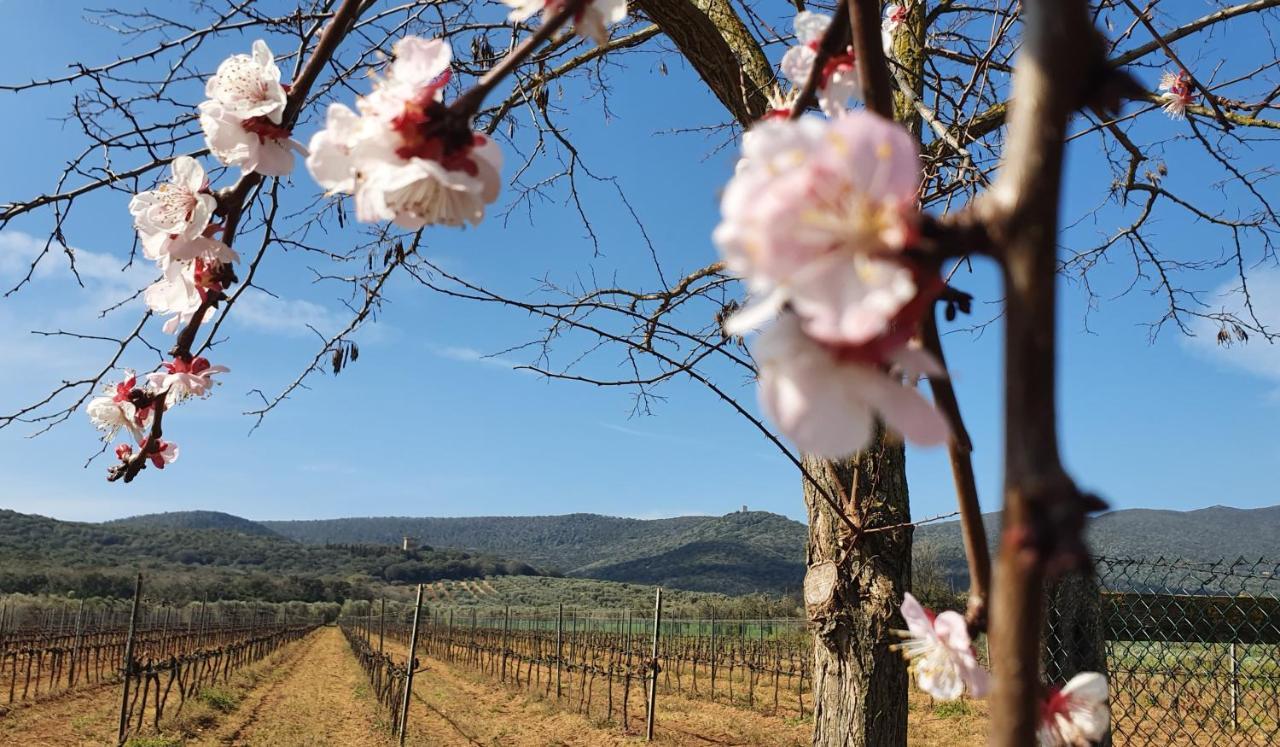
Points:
x=319, y=697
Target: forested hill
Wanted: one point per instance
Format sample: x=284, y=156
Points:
x=1203, y=535
x=736, y=553
x=195, y=520
x=43, y=555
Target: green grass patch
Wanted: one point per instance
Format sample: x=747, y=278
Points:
x=219, y=699
x=952, y=709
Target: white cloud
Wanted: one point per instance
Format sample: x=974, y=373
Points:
x=18, y=249
x=1257, y=356
x=267, y=313
x=471, y=355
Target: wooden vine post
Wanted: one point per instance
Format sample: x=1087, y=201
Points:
x=653, y=667
x=410, y=665
x=559, y=645
x=128, y=661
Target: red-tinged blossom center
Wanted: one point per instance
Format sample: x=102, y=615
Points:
x=197, y=365
x=154, y=453
x=265, y=129
x=124, y=452
x=901, y=329
x=1054, y=705
x=840, y=63
x=427, y=130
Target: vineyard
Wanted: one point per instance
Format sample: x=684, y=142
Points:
x=598, y=663
x=1193, y=661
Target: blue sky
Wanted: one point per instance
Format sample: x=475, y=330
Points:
x=424, y=424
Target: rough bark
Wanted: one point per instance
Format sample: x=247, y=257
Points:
x=853, y=590
x=1074, y=637
x=711, y=35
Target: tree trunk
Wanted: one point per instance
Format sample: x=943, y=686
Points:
x=1075, y=641
x=852, y=592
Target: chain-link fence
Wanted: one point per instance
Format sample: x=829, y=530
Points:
x=1193, y=650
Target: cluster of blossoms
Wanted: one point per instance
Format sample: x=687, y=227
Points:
x=125, y=405
x=592, y=20
x=243, y=117
x=1176, y=94
x=243, y=122
x=405, y=156
x=838, y=84
x=945, y=666
x=817, y=219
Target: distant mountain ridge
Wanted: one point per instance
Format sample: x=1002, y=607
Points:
x=195, y=520
x=1201, y=535
x=741, y=552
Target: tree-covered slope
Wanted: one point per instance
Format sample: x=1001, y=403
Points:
x=735, y=553
x=39, y=554
x=1204, y=535
x=195, y=520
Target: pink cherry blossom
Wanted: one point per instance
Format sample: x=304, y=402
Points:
x=839, y=83
x=166, y=452
x=401, y=156
x=1177, y=95
x=184, y=378
x=592, y=22
x=243, y=116
x=175, y=213
x=1077, y=715
x=940, y=652
x=817, y=216
x=827, y=404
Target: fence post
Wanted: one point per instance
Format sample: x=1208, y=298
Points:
x=410, y=666
x=559, y=645
x=653, y=667
x=382, y=625
x=1235, y=689
x=713, y=657
x=506, y=625
x=75, y=647
x=128, y=660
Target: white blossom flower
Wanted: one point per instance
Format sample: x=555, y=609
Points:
x=894, y=16
x=185, y=378
x=839, y=82
x=253, y=145
x=401, y=157
x=1076, y=715
x=592, y=22
x=249, y=85
x=115, y=409
x=175, y=213
x=940, y=652
x=244, y=114
x=827, y=404
x=185, y=285
x=817, y=217
x=1177, y=95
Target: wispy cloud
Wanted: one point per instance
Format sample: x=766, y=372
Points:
x=1257, y=356
x=288, y=316
x=464, y=354
x=19, y=249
